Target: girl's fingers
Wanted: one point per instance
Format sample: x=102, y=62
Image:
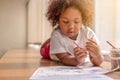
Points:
x=81, y=58
x=81, y=54
x=89, y=44
x=77, y=49
x=91, y=40
x=90, y=48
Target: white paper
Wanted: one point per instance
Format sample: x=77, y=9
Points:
x=70, y=73
x=73, y=77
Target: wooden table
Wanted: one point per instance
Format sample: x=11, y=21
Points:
x=18, y=64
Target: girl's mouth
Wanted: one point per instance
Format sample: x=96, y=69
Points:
x=71, y=32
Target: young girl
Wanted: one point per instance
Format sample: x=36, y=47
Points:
x=72, y=42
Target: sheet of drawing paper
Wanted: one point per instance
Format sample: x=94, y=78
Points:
x=70, y=73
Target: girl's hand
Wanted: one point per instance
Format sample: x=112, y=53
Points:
x=80, y=55
x=93, y=48
x=94, y=52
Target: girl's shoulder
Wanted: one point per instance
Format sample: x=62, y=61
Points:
x=56, y=33
x=56, y=30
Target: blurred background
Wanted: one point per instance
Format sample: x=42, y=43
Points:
x=23, y=23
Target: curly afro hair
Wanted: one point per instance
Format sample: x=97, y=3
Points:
x=56, y=7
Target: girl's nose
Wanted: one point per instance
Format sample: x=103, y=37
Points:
x=71, y=25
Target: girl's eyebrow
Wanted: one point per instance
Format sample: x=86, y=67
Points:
x=64, y=17
x=77, y=18
x=67, y=18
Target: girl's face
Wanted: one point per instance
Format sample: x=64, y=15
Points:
x=70, y=22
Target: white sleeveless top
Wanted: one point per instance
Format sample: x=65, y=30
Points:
x=61, y=43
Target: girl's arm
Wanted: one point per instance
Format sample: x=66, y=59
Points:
x=67, y=59
x=96, y=60
x=78, y=59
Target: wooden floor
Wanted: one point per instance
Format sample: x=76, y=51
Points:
x=18, y=64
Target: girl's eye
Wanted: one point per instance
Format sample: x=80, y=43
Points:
x=76, y=22
x=65, y=22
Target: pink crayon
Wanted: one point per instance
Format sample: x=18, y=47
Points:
x=77, y=44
